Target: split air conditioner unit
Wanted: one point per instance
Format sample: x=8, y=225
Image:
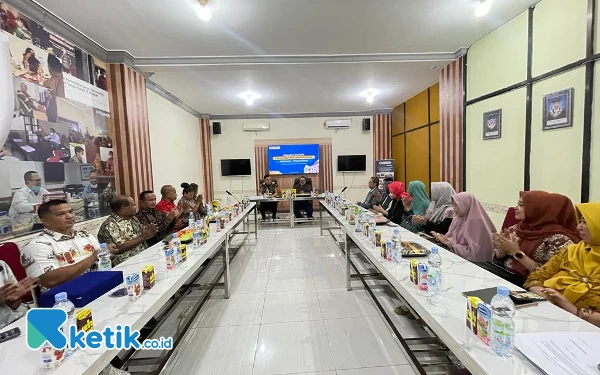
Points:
x=335, y=124
x=256, y=126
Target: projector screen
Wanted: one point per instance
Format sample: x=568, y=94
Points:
x=293, y=159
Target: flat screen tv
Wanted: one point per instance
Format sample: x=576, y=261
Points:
x=352, y=163
x=293, y=159
x=54, y=172
x=235, y=167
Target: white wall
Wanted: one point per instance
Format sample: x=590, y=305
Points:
x=234, y=143
x=174, y=144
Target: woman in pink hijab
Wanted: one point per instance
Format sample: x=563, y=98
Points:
x=470, y=234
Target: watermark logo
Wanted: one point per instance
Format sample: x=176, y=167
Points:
x=49, y=325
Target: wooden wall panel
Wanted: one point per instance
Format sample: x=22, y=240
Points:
x=416, y=111
x=434, y=106
x=417, y=156
x=398, y=156
x=451, y=124
x=129, y=126
x=434, y=150
x=382, y=137
x=398, y=119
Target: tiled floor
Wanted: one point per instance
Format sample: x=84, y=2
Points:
x=289, y=313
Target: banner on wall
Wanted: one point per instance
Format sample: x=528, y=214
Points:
x=384, y=168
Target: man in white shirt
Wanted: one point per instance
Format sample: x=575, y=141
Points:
x=26, y=198
x=53, y=137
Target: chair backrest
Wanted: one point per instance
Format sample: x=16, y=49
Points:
x=297, y=181
x=9, y=253
x=509, y=219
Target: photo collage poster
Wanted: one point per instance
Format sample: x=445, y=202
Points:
x=60, y=121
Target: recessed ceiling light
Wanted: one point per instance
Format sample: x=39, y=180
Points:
x=483, y=8
x=369, y=94
x=203, y=11
x=249, y=97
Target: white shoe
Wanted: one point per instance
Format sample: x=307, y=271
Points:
x=111, y=370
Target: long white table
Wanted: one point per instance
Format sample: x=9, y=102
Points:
x=16, y=358
x=447, y=318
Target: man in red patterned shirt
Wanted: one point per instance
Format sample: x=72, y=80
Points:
x=167, y=204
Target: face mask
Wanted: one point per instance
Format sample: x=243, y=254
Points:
x=35, y=188
x=94, y=185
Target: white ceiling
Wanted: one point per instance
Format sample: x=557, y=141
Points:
x=253, y=28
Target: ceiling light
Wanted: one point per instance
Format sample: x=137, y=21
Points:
x=369, y=94
x=483, y=8
x=203, y=11
x=249, y=97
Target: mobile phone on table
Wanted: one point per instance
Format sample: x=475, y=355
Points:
x=10, y=334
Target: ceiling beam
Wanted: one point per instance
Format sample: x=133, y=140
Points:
x=257, y=116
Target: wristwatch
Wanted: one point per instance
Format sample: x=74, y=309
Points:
x=519, y=255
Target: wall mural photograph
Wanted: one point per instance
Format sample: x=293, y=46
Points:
x=55, y=141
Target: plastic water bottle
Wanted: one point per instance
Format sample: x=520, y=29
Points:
x=104, y=263
x=176, y=246
x=61, y=302
x=434, y=273
x=192, y=220
x=502, y=326
x=396, y=247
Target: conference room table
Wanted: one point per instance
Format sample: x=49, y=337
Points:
x=298, y=198
x=17, y=358
x=447, y=316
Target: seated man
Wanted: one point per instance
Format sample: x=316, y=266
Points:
x=60, y=253
x=303, y=188
x=374, y=196
x=269, y=186
x=148, y=215
x=11, y=292
x=124, y=230
x=167, y=204
x=92, y=186
x=387, y=201
x=27, y=198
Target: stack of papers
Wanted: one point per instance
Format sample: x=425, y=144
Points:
x=561, y=353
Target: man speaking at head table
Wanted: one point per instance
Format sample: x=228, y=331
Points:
x=374, y=196
x=303, y=188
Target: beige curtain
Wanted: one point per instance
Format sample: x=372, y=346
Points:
x=382, y=137
x=204, y=124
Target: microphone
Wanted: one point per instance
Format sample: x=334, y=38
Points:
x=343, y=190
x=229, y=193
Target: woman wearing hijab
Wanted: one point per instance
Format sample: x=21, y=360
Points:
x=395, y=212
x=415, y=204
x=470, y=234
x=438, y=216
x=571, y=278
x=547, y=224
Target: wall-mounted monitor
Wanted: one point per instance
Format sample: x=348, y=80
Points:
x=352, y=163
x=54, y=172
x=293, y=159
x=235, y=167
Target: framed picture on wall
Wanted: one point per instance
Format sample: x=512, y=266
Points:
x=558, y=110
x=492, y=124
x=85, y=171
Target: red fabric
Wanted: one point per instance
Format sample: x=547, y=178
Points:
x=397, y=188
x=546, y=214
x=165, y=207
x=509, y=219
x=9, y=253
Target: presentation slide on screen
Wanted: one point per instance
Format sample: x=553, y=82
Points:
x=293, y=159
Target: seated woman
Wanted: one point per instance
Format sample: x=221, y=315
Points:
x=395, y=210
x=199, y=199
x=438, y=216
x=414, y=206
x=547, y=224
x=187, y=203
x=470, y=234
x=571, y=278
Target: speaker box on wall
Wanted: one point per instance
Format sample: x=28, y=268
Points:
x=366, y=124
x=216, y=128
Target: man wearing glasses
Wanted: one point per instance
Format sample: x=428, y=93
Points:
x=26, y=199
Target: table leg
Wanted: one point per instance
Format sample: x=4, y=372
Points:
x=226, y=276
x=291, y=213
x=321, y=217
x=256, y=221
x=347, y=250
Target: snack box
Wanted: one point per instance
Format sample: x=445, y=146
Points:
x=471, y=313
x=148, y=276
x=183, y=253
x=414, y=276
x=52, y=358
x=134, y=289
x=484, y=318
x=84, y=320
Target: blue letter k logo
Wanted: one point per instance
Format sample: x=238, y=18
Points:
x=45, y=325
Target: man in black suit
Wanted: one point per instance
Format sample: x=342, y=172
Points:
x=303, y=188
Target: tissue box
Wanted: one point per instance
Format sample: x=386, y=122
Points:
x=84, y=289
